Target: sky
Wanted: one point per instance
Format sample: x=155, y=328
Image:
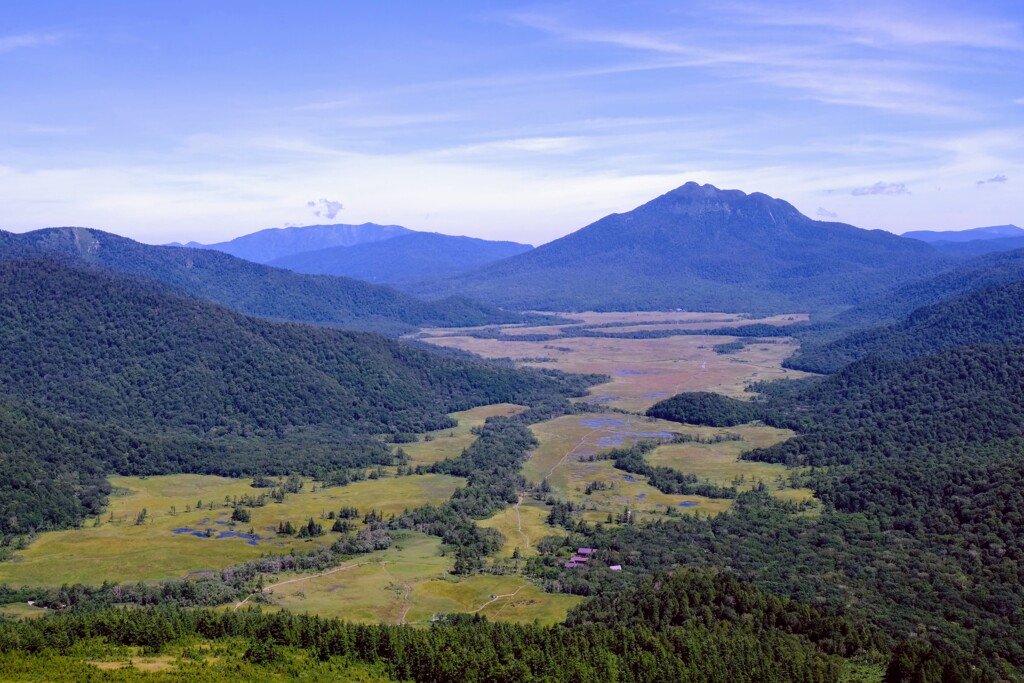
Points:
x=184, y=120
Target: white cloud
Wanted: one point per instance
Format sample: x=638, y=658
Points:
x=325, y=208
x=825, y=213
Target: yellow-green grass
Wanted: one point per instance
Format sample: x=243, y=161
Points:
x=124, y=551
x=21, y=610
x=522, y=526
x=567, y=442
x=410, y=583
x=644, y=371
x=499, y=598
x=561, y=459
x=449, y=443
x=720, y=463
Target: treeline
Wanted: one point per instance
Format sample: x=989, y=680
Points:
x=491, y=467
x=748, y=637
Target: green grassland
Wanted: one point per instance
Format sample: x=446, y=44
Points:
x=122, y=550
x=567, y=442
x=720, y=463
x=448, y=443
x=522, y=526
x=410, y=583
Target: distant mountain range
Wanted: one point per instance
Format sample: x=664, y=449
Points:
x=973, y=242
x=274, y=243
x=700, y=248
x=252, y=288
x=989, y=233
x=405, y=257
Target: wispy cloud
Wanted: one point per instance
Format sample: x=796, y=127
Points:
x=997, y=179
x=9, y=43
x=825, y=213
x=814, y=67
x=880, y=188
x=876, y=24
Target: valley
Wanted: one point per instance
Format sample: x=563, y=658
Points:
x=187, y=530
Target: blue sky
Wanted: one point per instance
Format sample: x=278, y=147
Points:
x=205, y=120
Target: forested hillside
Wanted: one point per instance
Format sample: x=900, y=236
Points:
x=251, y=288
x=958, y=280
x=921, y=473
x=701, y=248
x=104, y=374
x=993, y=315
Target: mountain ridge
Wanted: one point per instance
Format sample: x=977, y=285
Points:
x=699, y=248
x=403, y=257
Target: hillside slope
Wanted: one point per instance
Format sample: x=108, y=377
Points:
x=701, y=248
x=992, y=315
x=251, y=288
x=92, y=346
x=406, y=257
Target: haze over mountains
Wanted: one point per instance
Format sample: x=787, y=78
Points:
x=701, y=248
x=409, y=256
x=273, y=243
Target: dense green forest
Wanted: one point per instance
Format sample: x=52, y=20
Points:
x=918, y=463
x=992, y=315
x=252, y=288
x=692, y=626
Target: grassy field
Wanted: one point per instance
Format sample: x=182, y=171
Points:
x=720, y=462
x=643, y=371
x=121, y=550
x=448, y=443
x=410, y=583
x=566, y=442
x=522, y=526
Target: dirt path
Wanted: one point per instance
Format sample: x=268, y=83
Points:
x=519, y=521
x=579, y=444
x=404, y=597
x=496, y=598
x=297, y=579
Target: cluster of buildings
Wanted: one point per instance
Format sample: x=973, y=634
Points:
x=583, y=557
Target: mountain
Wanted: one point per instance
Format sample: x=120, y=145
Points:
x=971, y=235
x=103, y=373
x=274, y=243
x=405, y=257
x=252, y=288
x=700, y=248
x=992, y=315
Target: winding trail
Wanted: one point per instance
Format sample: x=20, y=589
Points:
x=298, y=579
x=496, y=598
x=582, y=442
